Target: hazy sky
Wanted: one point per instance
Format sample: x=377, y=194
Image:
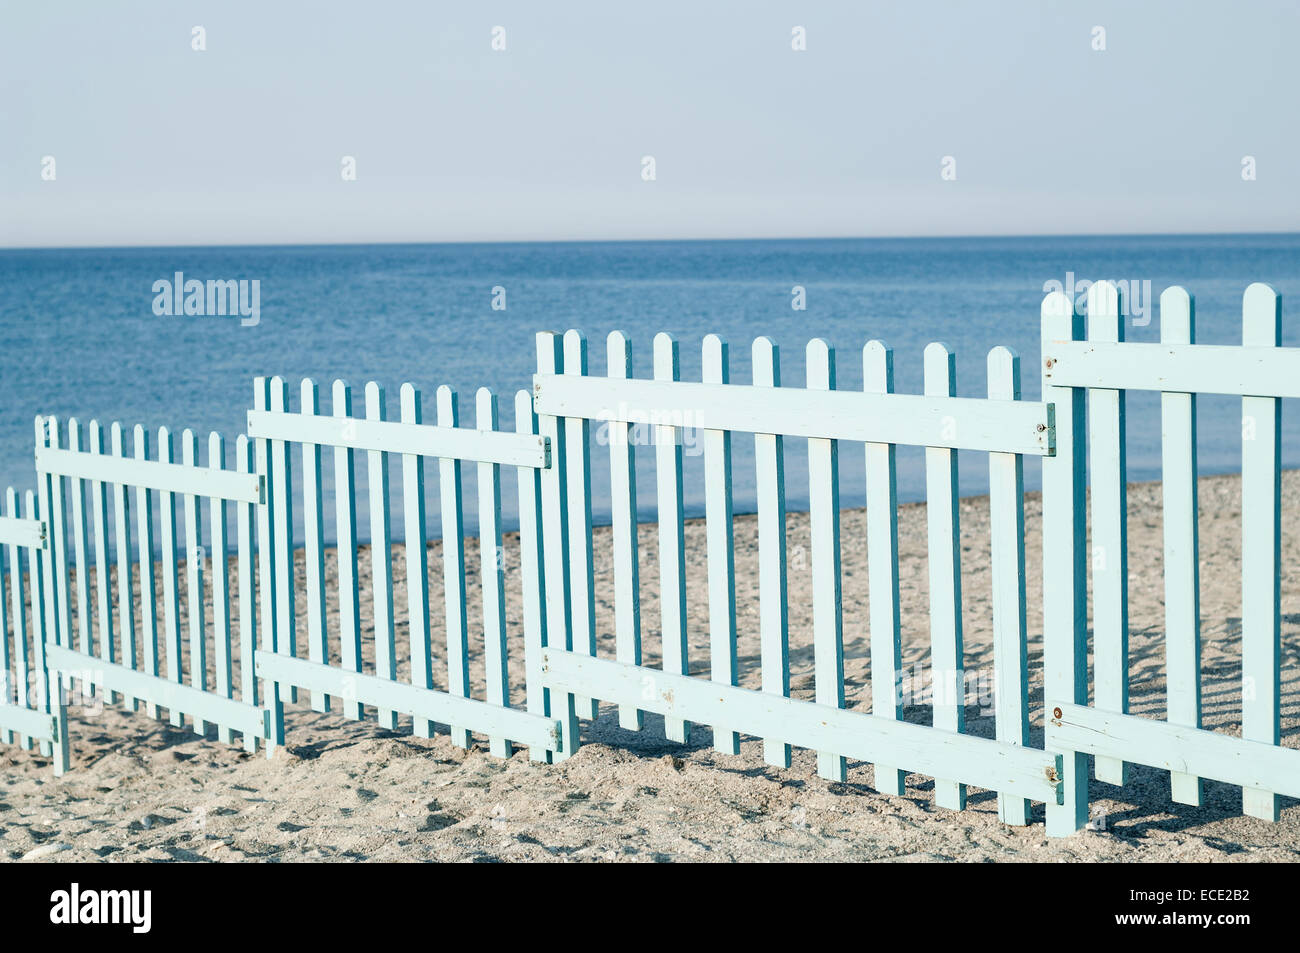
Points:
x=157, y=143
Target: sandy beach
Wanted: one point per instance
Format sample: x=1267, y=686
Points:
x=342, y=790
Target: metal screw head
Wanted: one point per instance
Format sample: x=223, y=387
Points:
x=1042, y=427
x=1056, y=713
x=1048, y=363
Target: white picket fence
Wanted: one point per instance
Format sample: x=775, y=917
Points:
x=236, y=665
x=1104, y=367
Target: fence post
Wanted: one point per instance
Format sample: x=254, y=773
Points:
x=532, y=572
x=1065, y=662
x=555, y=542
x=266, y=568
x=50, y=698
x=1261, y=549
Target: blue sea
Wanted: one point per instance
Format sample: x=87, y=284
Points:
x=79, y=336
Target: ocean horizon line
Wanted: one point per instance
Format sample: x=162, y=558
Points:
x=507, y=242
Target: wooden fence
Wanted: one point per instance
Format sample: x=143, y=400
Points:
x=1104, y=367
x=234, y=665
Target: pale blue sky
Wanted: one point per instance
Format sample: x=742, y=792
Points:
x=158, y=144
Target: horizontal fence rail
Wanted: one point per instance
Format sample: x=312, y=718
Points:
x=958, y=423
x=452, y=443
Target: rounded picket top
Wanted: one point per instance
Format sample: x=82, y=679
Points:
x=1004, y=373
x=139, y=438
x=448, y=407
x=114, y=436
x=1104, y=306
x=341, y=398
x=74, y=433
x=408, y=396
x=940, y=363
x=524, y=422
x=666, y=357
x=485, y=409
x=1057, y=316
x=766, y=359
x=1103, y=299
x=575, y=352
x=716, y=355
x=618, y=354
x=374, y=401
x=877, y=367
x=1261, y=316
x=1176, y=316
x=820, y=365
x=309, y=394
x=216, y=450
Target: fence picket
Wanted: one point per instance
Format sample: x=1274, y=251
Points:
x=246, y=581
x=672, y=536
x=416, y=550
x=1261, y=549
x=144, y=543
x=720, y=533
x=103, y=572
x=824, y=532
x=555, y=539
x=1065, y=619
x=532, y=583
x=381, y=554
x=80, y=532
x=492, y=571
x=453, y=563
x=313, y=523
x=948, y=683
x=577, y=443
x=266, y=566
x=195, y=621
x=882, y=566
x=623, y=529
x=171, y=594
x=1178, y=473
x=21, y=659
x=220, y=547
x=774, y=640
x=9, y=692
x=345, y=533
x=285, y=633
x=122, y=549
x=1109, y=498
x=1007, y=558
x=41, y=586
x=57, y=554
